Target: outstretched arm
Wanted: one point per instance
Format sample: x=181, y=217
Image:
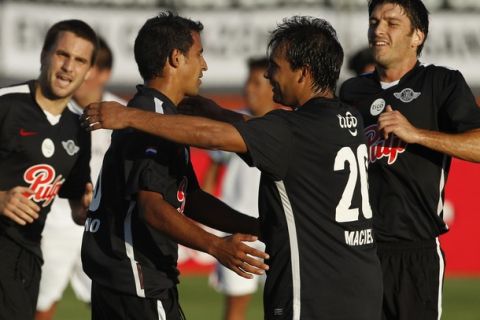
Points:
x=464, y=145
x=230, y=251
x=214, y=213
x=195, y=131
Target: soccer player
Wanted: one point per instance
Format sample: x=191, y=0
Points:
x=240, y=191
x=315, y=215
x=146, y=186
x=43, y=151
x=62, y=238
x=416, y=118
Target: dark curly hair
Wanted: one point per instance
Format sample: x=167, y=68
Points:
x=158, y=37
x=310, y=42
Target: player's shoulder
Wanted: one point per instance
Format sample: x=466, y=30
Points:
x=440, y=72
x=150, y=99
x=15, y=92
x=357, y=84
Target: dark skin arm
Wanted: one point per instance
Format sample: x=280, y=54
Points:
x=230, y=251
x=202, y=132
x=219, y=215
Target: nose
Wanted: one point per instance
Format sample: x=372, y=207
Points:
x=67, y=64
x=204, y=64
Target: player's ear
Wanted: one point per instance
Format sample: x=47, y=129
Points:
x=175, y=58
x=418, y=38
x=304, y=73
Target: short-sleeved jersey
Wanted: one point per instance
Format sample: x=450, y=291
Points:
x=315, y=216
x=407, y=180
x=120, y=250
x=49, y=159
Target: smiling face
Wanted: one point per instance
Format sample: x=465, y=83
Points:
x=282, y=78
x=193, y=66
x=391, y=35
x=65, y=65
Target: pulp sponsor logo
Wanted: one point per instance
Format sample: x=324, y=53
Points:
x=349, y=122
x=380, y=148
x=407, y=95
x=41, y=179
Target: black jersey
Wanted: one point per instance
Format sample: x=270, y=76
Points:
x=48, y=158
x=407, y=180
x=315, y=216
x=120, y=249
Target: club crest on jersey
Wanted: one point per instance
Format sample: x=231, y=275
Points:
x=406, y=95
x=48, y=148
x=42, y=181
x=348, y=122
x=377, y=107
x=182, y=194
x=70, y=147
x=380, y=148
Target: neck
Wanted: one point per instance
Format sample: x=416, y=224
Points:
x=395, y=72
x=54, y=106
x=167, y=88
x=328, y=94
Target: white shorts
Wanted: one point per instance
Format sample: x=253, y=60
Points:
x=61, y=245
x=229, y=283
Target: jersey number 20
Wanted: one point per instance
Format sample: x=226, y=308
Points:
x=358, y=164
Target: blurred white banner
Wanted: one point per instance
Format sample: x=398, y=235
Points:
x=230, y=37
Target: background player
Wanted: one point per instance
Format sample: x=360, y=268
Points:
x=136, y=218
x=62, y=239
x=43, y=151
x=315, y=215
x=416, y=118
x=240, y=191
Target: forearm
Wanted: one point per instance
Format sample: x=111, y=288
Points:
x=194, y=131
x=164, y=218
x=214, y=213
x=465, y=146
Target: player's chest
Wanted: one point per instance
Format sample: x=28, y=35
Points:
x=34, y=140
x=415, y=102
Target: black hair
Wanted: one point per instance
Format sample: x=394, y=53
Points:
x=158, y=37
x=310, y=42
x=415, y=10
x=257, y=63
x=77, y=27
x=360, y=60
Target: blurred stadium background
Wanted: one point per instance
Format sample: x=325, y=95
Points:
x=234, y=31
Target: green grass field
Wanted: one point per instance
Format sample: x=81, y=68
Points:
x=200, y=302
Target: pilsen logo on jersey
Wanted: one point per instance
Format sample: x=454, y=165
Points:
x=182, y=194
x=41, y=179
x=348, y=122
x=380, y=148
x=406, y=95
